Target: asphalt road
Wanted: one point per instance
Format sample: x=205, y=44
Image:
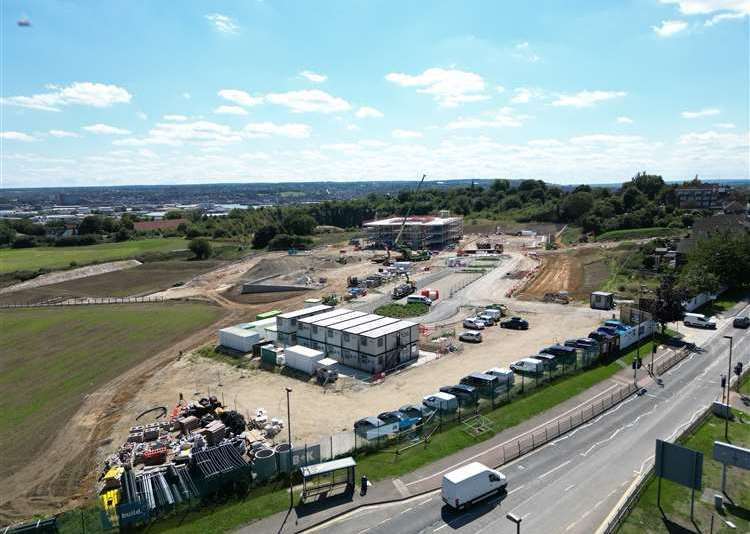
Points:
x=572, y=484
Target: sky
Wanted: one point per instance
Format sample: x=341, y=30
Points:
x=147, y=92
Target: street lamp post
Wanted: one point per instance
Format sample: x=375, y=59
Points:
x=729, y=381
x=517, y=520
x=289, y=431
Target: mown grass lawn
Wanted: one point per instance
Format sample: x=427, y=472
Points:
x=51, y=358
x=399, y=311
x=638, y=233
x=31, y=259
x=675, y=499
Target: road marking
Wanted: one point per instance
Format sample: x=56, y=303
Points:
x=440, y=527
x=521, y=467
x=425, y=502
x=553, y=470
x=407, y=510
x=516, y=489
x=570, y=487
x=499, y=445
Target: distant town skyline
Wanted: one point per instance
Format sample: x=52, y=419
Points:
x=269, y=91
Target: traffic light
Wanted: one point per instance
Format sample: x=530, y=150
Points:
x=738, y=369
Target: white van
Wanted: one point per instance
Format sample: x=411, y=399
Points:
x=441, y=401
x=492, y=312
x=699, y=320
x=471, y=483
x=418, y=299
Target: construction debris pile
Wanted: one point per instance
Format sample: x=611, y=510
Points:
x=199, y=450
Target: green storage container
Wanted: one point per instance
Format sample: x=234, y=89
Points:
x=268, y=354
x=267, y=315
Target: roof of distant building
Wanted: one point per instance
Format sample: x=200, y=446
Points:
x=168, y=224
x=414, y=220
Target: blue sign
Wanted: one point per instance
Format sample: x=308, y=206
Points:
x=132, y=512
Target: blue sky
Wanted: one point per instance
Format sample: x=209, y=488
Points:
x=97, y=93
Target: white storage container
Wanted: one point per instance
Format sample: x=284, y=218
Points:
x=302, y=358
x=238, y=339
x=324, y=363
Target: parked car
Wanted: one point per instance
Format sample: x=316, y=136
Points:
x=699, y=320
x=470, y=337
x=470, y=484
x=404, y=422
x=741, y=322
x=487, y=318
x=466, y=395
x=529, y=366
x=515, y=323
x=473, y=323
x=418, y=299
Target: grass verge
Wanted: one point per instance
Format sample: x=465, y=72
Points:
x=675, y=499
x=638, y=233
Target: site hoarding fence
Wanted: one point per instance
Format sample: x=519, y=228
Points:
x=85, y=301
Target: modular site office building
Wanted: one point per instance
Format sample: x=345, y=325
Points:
x=286, y=323
x=420, y=231
x=368, y=342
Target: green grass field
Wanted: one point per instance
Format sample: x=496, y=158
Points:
x=675, y=500
x=638, y=233
x=52, y=358
x=266, y=501
x=31, y=259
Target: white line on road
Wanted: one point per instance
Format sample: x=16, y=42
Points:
x=499, y=445
x=516, y=489
x=440, y=527
x=554, y=469
x=570, y=487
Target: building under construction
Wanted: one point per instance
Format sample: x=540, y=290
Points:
x=420, y=231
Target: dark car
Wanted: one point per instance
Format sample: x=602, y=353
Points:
x=516, y=323
x=466, y=395
x=741, y=322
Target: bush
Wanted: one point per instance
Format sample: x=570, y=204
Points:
x=286, y=241
x=76, y=241
x=201, y=248
x=24, y=241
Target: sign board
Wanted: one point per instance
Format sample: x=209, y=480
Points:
x=732, y=455
x=679, y=464
x=131, y=513
x=309, y=454
x=722, y=410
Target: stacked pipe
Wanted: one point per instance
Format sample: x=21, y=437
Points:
x=218, y=460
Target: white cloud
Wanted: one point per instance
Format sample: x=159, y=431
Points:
x=141, y=115
x=705, y=112
x=405, y=134
x=310, y=100
x=523, y=51
x=366, y=112
x=204, y=133
x=624, y=120
x=584, y=99
x=352, y=128
x=725, y=125
x=223, y=23
x=266, y=129
x=175, y=118
x=504, y=118
x=96, y=95
x=724, y=16
x=230, y=110
x=500, y=89
x=449, y=87
x=105, y=129
x=669, y=27
x=186, y=95
x=63, y=133
x=524, y=95
x=706, y=7
x=240, y=97
x=313, y=76
x=604, y=139
x=17, y=136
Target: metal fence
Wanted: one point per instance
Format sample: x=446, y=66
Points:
x=83, y=301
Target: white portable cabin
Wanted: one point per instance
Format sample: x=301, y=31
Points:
x=239, y=339
x=348, y=337
x=386, y=347
x=302, y=358
x=304, y=325
x=322, y=332
x=336, y=331
x=602, y=300
x=286, y=323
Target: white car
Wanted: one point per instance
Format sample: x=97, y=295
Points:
x=699, y=320
x=473, y=323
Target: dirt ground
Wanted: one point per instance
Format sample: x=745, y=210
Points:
x=318, y=412
x=72, y=274
x=579, y=271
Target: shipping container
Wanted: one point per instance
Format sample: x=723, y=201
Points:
x=302, y=358
x=238, y=339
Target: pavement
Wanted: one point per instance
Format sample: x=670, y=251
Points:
x=568, y=485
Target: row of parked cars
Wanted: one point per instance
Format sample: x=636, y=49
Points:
x=489, y=384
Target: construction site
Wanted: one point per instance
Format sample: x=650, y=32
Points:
x=229, y=390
